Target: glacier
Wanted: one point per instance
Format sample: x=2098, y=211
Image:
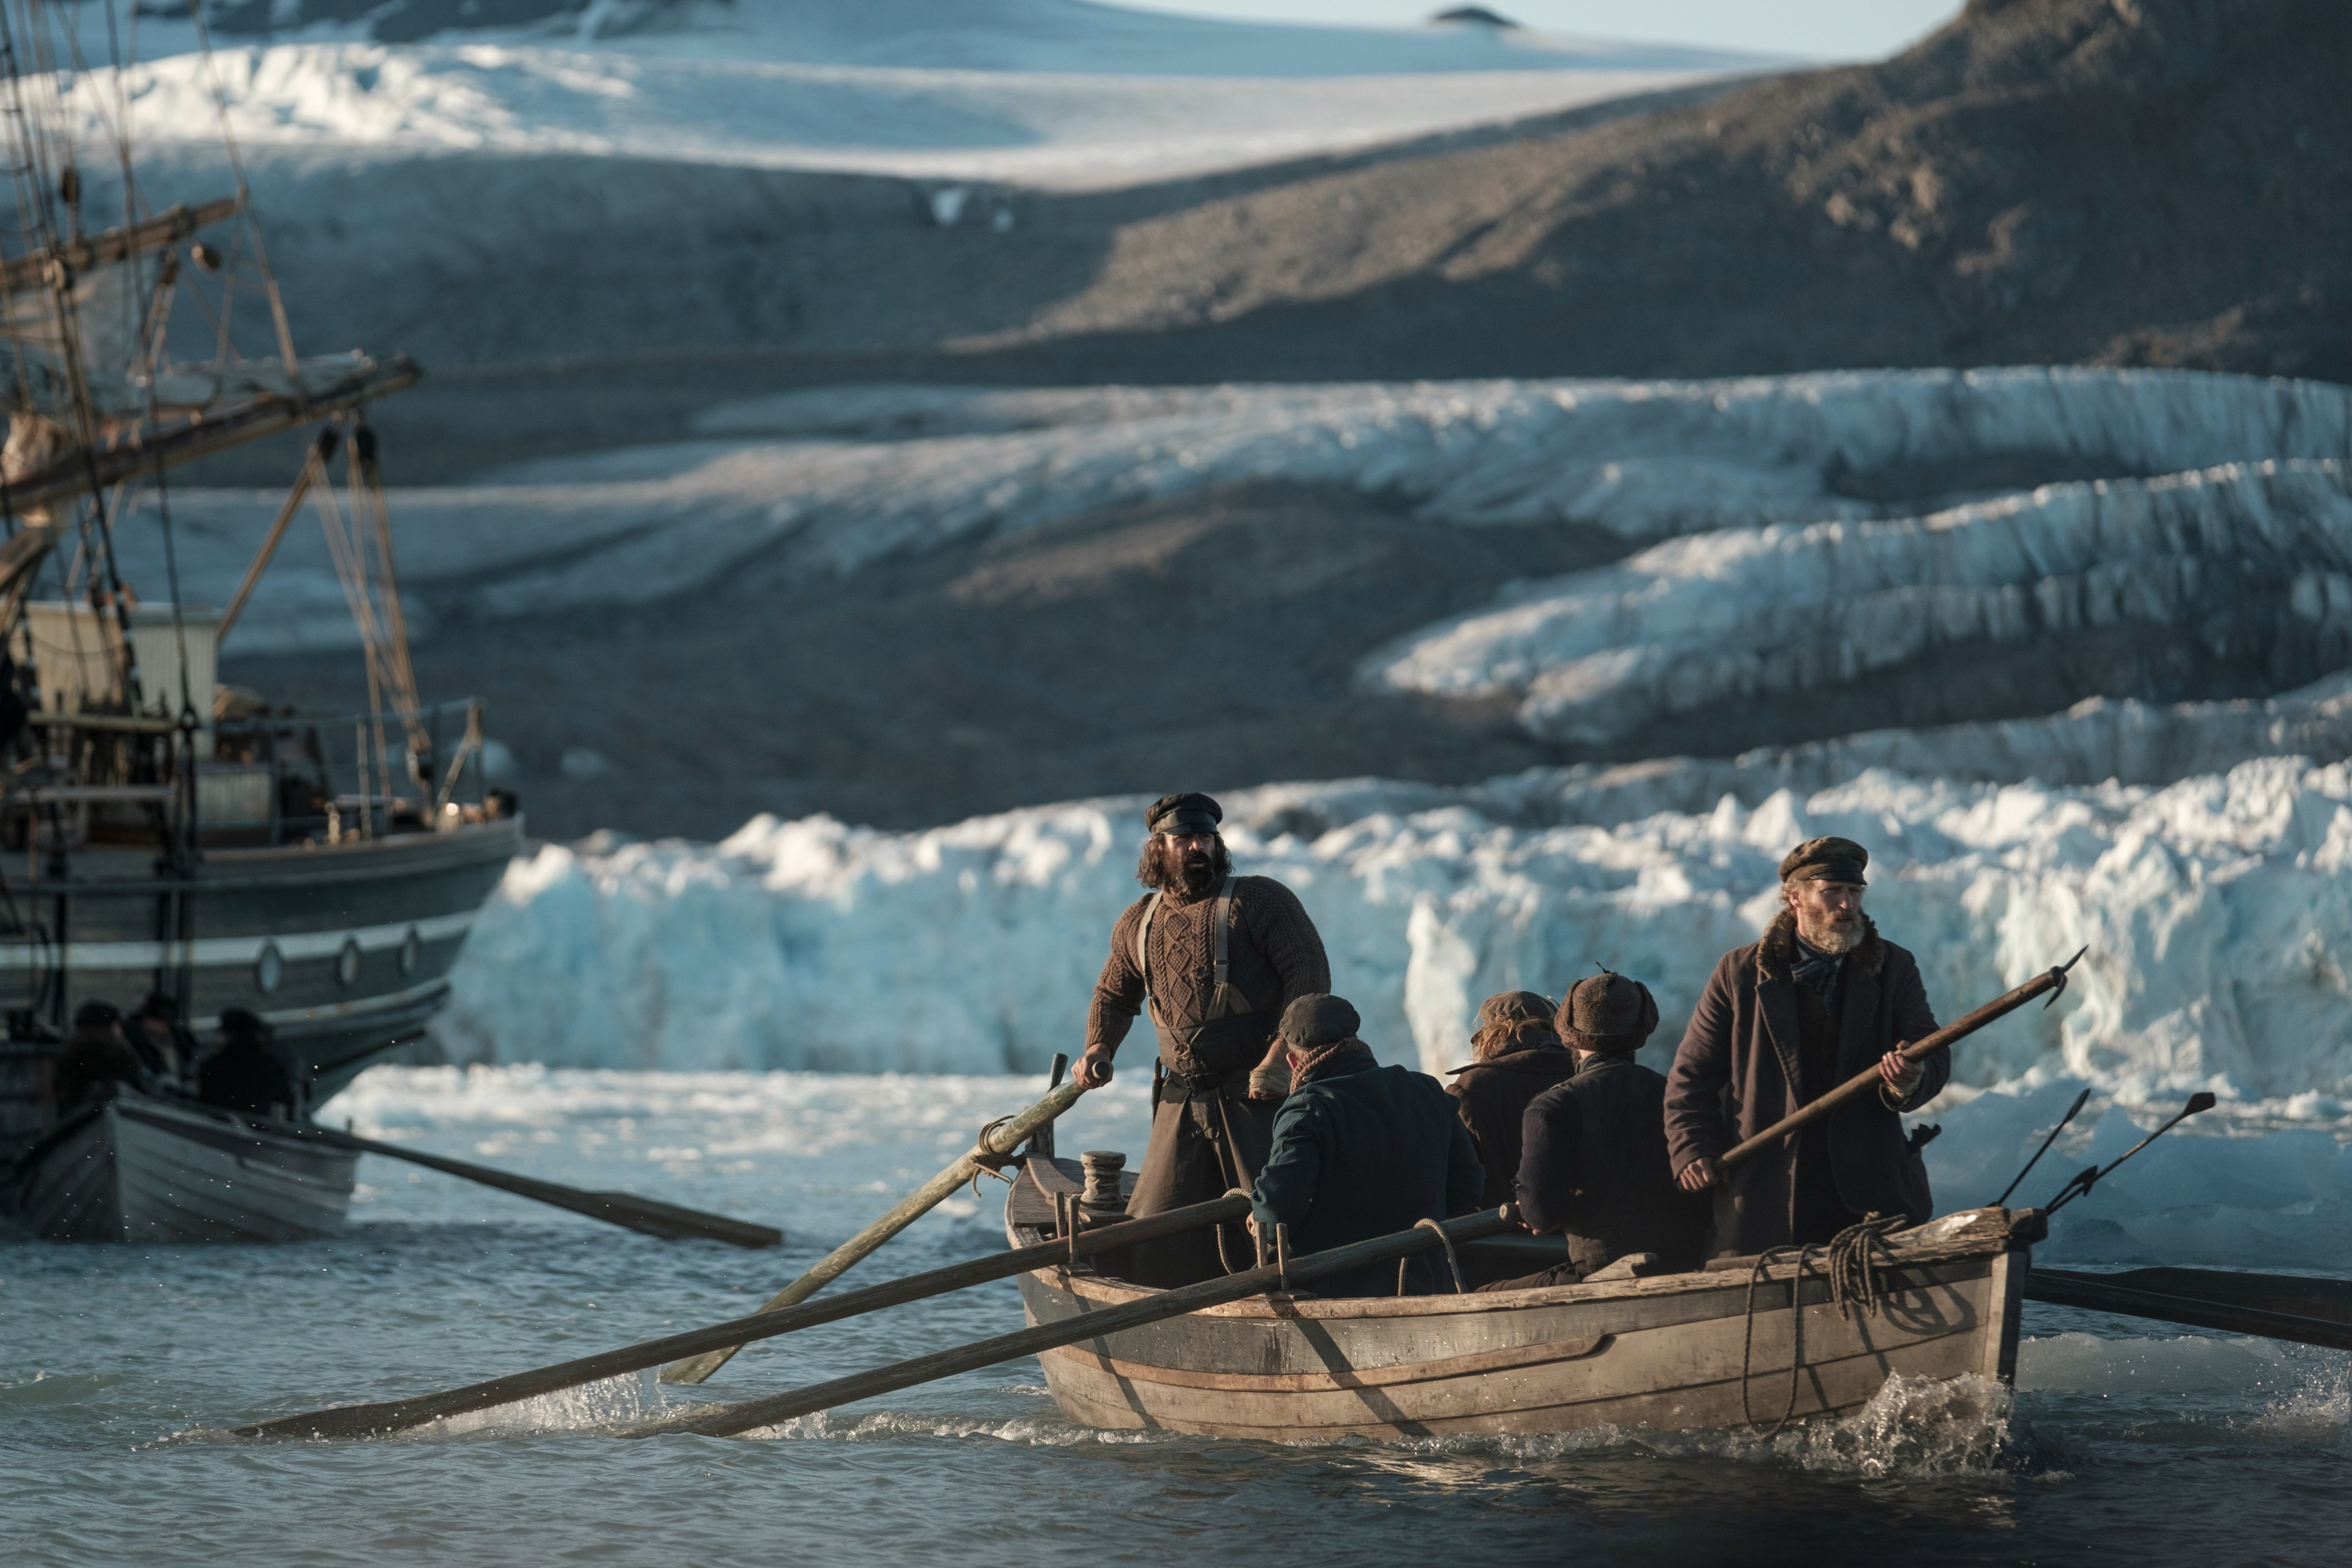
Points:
x=2216, y=910
x=813, y=485
x=2248, y=550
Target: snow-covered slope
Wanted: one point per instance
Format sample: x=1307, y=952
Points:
x=1041, y=91
x=2247, y=552
x=2218, y=913
x=823, y=483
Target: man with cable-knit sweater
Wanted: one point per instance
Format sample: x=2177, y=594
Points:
x=1217, y=957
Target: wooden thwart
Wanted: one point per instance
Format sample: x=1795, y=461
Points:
x=996, y=1143
x=726, y=1420
x=398, y=1414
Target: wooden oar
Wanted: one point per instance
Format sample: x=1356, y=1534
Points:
x=725, y=1420
x=2094, y=1293
x=997, y=1140
x=1861, y=1083
x=397, y=1415
x=650, y=1216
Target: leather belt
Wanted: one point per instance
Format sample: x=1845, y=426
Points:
x=1176, y=1088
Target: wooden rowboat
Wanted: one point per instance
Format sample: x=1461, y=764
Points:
x=138, y=1169
x=1699, y=1350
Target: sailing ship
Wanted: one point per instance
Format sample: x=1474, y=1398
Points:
x=1736, y=1344
x=162, y=834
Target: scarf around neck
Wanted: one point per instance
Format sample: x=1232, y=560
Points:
x=1816, y=970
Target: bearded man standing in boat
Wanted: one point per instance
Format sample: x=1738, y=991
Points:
x=1783, y=1021
x=1219, y=957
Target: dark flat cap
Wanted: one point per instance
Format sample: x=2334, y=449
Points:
x=1318, y=1019
x=1825, y=860
x=1607, y=1012
x=1189, y=812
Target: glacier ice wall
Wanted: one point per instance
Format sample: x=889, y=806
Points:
x=2257, y=552
x=838, y=484
x=2217, y=909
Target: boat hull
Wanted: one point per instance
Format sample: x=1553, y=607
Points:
x=151, y=1171
x=1678, y=1352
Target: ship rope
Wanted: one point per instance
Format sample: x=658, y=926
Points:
x=1851, y=1262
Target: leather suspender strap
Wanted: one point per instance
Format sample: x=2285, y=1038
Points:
x=1143, y=952
x=1221, y=999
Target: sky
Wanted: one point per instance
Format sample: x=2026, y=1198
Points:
x=1819, y=29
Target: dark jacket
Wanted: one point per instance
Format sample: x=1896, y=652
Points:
x=246, y=1075
x=1594, y=1169
x=1495, y=1095
x=96, y=1059
x=1738, y=1070
x=1362, y=1150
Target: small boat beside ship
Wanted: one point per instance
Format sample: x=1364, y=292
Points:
x=164, y=834
x=1710, y=1349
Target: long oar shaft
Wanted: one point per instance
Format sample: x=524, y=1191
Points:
x=651, y=1216
x=2091, y=1293
x=398, y=1414
x=996, y=1143
x=726, y=1420
x=2071, y=1111
x=1919, y=1050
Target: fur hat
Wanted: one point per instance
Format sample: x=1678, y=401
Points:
x=1318, y=1019
x=1825, y=860
x=1189, y=812
x=1607, y=1012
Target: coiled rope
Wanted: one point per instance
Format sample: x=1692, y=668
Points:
x=1851, y=1261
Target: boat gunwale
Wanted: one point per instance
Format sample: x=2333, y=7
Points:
x=1988, y=1235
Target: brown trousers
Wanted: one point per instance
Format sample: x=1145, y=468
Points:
x=1201, y=1149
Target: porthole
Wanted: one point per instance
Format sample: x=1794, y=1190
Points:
x=346, y=964
x=412, y=951
x=270, y=968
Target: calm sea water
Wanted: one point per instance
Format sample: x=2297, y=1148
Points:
x=119, y=1365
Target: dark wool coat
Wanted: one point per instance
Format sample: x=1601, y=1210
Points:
x=1362, y=1150
x=1495, y=1095
x=1738, y=1071
x=1595, y=1170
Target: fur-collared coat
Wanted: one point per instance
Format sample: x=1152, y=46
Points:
x=1738, y=1070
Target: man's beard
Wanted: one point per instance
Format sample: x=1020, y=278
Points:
x=1829, y=937
x=1188, y=876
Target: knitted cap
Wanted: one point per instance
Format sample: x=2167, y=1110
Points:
x=1189, y=812
x=1825, y=860
x=1607, y=1012
x=1318, y=1019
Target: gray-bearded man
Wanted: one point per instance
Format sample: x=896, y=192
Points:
x=1219, y=957
x=1783, y=1021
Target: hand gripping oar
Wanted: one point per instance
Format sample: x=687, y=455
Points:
x=2052, y=982
x=2076, y=1186
x=997, y=1140
x=2071, y=1111
x=725, y=1420
x=398, y=1414
x=650, y=1216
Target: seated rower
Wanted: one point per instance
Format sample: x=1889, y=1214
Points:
x=1593, y=1162
x=1515, y=1056
x=96, y=1061
x=247, y=1074
x=1359, y=1150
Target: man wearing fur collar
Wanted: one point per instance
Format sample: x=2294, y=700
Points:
x=1783, y=1021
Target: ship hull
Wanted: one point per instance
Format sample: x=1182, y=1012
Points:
x=152, y=1171
x=344, y=949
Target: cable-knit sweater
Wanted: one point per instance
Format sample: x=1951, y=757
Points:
x=1274, y=949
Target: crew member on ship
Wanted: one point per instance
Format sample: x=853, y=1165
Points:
x=1516, y=1053
x=1219, y=957
x=246, y=1073
x=1360, y=1150
x=1820, y=999
x=1592, y=1166
x=98, y=1059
